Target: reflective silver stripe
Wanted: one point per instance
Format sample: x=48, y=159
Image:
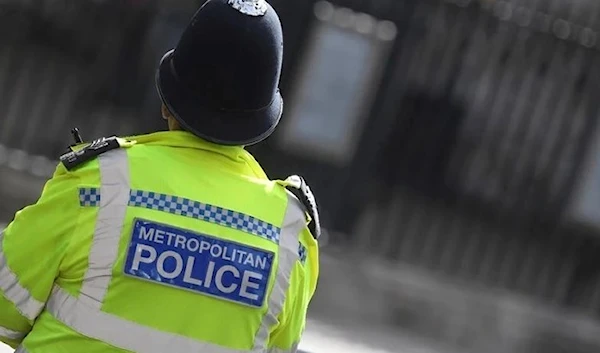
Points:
x=279, y=350
x=114, y=198
x=294, y=349
x=12, y=290
x=293, y=223
x=21, y=349
x=121, y=333
x=10, y=334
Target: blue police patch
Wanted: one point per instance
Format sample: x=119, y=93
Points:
x=198, y=262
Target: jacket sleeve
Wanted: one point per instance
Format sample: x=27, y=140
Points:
x=31, y=251
x=286, y=337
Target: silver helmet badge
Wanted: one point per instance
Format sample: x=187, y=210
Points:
x=250, y=7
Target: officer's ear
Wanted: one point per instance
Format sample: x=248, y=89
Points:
x=165, y=112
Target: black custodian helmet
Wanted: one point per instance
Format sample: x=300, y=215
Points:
x=221, y=82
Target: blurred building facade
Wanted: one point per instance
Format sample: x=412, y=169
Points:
x=451, y=144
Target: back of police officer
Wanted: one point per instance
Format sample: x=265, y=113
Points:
x=173, y=241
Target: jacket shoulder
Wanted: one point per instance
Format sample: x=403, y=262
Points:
x=297, y=186
x=78, y=156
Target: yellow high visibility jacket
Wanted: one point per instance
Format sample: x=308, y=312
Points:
x=158, y=243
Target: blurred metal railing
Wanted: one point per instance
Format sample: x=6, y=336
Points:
x=488, y=108
x=491, y=108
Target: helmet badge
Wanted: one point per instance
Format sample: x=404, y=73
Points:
x=250, y=7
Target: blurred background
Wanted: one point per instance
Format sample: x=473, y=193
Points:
x=452, y=145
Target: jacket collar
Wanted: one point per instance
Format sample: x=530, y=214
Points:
x=184, y=139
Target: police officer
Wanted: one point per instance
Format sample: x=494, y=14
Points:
x=174, y=241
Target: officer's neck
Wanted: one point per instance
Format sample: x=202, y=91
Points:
x=173, y=124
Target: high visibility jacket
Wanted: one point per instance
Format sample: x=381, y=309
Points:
x=165, y=244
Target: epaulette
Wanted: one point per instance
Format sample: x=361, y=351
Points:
x=75, y=158
x=305, y=195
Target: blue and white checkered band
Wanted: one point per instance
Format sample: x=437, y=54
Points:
x=209, y=213
x=250, y=7
x=89, y=197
